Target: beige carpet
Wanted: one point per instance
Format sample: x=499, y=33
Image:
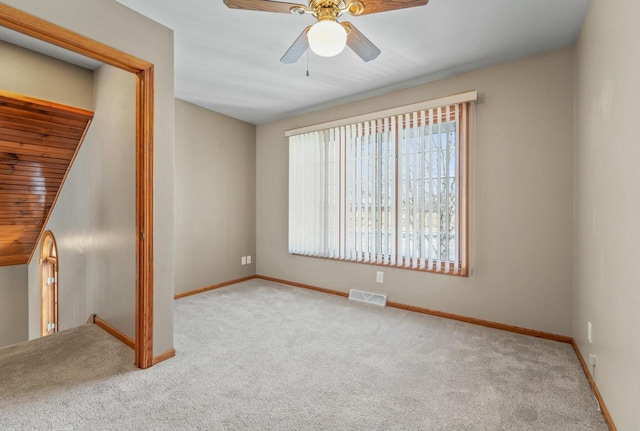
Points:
x=263, y=356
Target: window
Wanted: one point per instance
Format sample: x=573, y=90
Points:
x=390, y=189
x=48, y=285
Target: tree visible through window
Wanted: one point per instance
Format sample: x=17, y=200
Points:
x=389, y=191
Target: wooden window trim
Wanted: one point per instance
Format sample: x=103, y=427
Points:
x=38, y=28
x=44, y=246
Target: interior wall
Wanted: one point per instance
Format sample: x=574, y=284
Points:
x=113, y=24
x=13, y=306
x=607, y=274
x=215, y=197
x=94, y=218
x=520, y=209
x=32, y=74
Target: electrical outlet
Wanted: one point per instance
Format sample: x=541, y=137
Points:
x=244, y=260
x=589, y=332
x=593, y=359
x=248, y=260
x=379, y=277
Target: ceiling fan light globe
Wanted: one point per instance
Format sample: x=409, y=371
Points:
x=327, y=38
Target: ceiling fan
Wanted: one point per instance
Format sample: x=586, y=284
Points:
x=328, y=37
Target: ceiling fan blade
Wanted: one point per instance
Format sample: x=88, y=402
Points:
x=375, y=6
x=359, y=43
x=263, y=5
x=298, y=48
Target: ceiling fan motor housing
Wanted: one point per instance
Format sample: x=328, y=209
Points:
x=329, y=10
x=326, y=10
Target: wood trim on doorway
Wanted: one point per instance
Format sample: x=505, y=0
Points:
x=38, y=28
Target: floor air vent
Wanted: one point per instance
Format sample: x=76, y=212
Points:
x=368, y=297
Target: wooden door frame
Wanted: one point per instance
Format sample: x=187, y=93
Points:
x=22, y=22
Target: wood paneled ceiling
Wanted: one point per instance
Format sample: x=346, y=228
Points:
x=38, y=142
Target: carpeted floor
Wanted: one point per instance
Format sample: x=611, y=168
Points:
x=263, y=356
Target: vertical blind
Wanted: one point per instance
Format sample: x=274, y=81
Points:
x=388, y=191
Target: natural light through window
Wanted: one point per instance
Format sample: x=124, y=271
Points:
x=390, y=190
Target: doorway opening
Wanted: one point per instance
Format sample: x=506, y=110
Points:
x=49, y=284
x=22, y=22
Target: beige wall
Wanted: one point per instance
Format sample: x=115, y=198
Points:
x=607, y=272
x=215, y=197
x=521, y=203
x=26, y=72
x=111, y=23
x=94, y=218
x=13, y=306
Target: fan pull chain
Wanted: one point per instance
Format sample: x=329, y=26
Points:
x=307, y=62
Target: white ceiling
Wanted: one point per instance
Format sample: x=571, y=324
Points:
x=228, y=60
